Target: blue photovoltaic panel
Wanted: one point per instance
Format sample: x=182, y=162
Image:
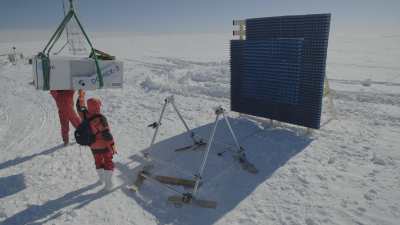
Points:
x=278, y=71
x=263, y=60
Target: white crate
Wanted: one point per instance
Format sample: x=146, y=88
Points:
x=74, y=73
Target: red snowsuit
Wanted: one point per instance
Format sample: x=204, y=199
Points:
x=65, y=104
x=103, y=148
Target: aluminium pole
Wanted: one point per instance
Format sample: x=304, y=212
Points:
x=157, y=126
x=231, y=131
x=180, y=115
x=199, y=175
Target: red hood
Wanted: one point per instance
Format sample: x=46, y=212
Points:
x=93, y=106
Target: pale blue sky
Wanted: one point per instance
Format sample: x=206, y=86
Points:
x=190, y=15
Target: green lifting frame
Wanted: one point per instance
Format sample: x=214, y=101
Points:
x=44, y=55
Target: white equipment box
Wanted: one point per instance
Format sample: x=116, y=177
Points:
x=74, y=73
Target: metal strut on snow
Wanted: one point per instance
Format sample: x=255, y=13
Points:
x=196, y=143
x=169, y=181
x=191, y=197
x=44, y=55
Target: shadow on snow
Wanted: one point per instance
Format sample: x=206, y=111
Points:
x=223, y=179
x=11, y=185
x=19, y=160
x=52, y=209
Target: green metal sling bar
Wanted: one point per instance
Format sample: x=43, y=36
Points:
x=44, y=56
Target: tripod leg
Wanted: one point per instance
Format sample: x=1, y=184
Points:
x=184, y=122
x=146, y=153
x=231, y=131
x=240, y=155
x=205, y=156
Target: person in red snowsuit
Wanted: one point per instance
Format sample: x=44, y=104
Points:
x=103, y=147
x=66, y=113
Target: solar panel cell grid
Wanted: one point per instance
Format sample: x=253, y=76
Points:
x=278, y=71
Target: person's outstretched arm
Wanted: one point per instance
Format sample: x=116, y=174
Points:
x=80, y=103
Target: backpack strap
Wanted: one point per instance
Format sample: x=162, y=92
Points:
x=84, y=114
x=93, y=118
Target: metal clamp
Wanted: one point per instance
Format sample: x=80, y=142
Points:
x=187, y=197
x=169, y=99
x=197, y=177
x=219, y=110
x=154, y=125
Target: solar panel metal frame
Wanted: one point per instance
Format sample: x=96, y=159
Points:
x=313, y=30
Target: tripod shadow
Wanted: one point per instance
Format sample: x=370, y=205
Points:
x=19, y=160
x=11, y=185
x=52, y=209
x=223, y=179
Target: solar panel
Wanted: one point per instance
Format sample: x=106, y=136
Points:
x=278, y=71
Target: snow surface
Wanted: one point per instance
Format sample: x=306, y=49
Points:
x=345, y=173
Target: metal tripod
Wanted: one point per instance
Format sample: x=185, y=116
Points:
x=156, y=125
x=190, y=197
x=238, y=155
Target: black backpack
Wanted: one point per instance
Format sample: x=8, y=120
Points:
x=83, y=133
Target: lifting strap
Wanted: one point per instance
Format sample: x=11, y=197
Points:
x=95, y=54
x=46, y=70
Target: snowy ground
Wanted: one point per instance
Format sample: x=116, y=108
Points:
x=345, y=173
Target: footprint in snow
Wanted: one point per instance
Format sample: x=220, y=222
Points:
x=3, y=214
x=378, y=161
x=370, y=195
x=331, y=160
x=310, y=221
x=361, y=210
